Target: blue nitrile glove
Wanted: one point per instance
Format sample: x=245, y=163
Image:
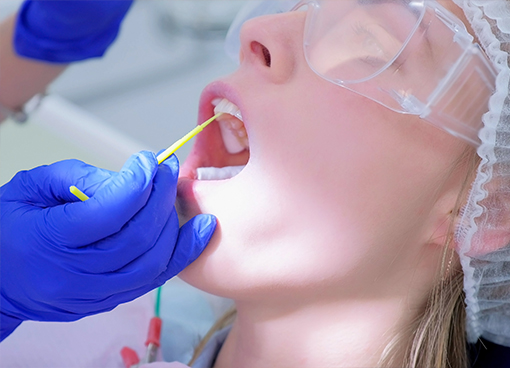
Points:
x=67, y=30
x=62, y=259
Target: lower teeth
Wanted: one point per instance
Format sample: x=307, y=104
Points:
x=218, y=173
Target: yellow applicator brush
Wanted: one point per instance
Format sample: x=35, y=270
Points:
x=163, y=155
x=180, y=142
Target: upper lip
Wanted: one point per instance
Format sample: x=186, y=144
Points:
x=217, y=90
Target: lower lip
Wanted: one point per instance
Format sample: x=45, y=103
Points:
x=185, y=189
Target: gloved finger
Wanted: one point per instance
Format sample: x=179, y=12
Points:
x=106, y=212
x=139, y=234
x=128, y=282
x=193, y=238
x=48, y=186
x=140, y=273
x=164, y=261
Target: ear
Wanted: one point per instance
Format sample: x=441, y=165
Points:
x=443, y=219
x=447, y=213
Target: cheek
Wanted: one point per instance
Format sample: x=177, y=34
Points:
x=341, y=157
x=321, y=146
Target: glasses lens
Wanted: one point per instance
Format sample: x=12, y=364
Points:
x=352, y=40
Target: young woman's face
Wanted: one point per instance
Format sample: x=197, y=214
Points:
x=337, y=191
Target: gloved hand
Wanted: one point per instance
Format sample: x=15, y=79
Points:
x=68, y=30
x=63, y=259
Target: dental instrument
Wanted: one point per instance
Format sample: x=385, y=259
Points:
x=130, y=357
x=179, y=143
x=78, y=193
x=163, y=155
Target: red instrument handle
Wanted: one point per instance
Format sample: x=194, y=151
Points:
x=129, y=357
x=154, y=334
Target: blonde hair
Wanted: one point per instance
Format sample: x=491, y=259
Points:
x=438, y=336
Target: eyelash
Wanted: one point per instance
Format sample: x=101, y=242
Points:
x=361, y=29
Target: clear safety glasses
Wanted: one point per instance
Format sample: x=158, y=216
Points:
x=412, y=56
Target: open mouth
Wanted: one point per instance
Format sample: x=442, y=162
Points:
x=222, y=150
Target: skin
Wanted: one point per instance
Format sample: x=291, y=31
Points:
x=21, y=78
x=330, y=239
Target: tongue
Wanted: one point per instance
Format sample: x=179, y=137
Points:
x=218, y=173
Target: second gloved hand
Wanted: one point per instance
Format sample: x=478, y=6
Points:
x=63, y=259
x=69, y=30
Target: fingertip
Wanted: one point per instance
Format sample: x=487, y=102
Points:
x=148, y=160
x=145, y=159
x=205, y=226
x=172, y=162
x=192, y=240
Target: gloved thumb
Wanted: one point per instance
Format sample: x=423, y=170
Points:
x=115, y=202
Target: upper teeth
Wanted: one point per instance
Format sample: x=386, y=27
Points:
x=225, y=106
x=231, y=126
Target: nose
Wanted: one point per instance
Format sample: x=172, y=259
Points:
x=274, y=45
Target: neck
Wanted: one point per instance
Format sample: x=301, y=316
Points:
x=335, y=334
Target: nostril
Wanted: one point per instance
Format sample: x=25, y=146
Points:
x=262, y=51
x=267, y=56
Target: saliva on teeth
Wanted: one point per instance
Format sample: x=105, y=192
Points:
x=231, y=125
